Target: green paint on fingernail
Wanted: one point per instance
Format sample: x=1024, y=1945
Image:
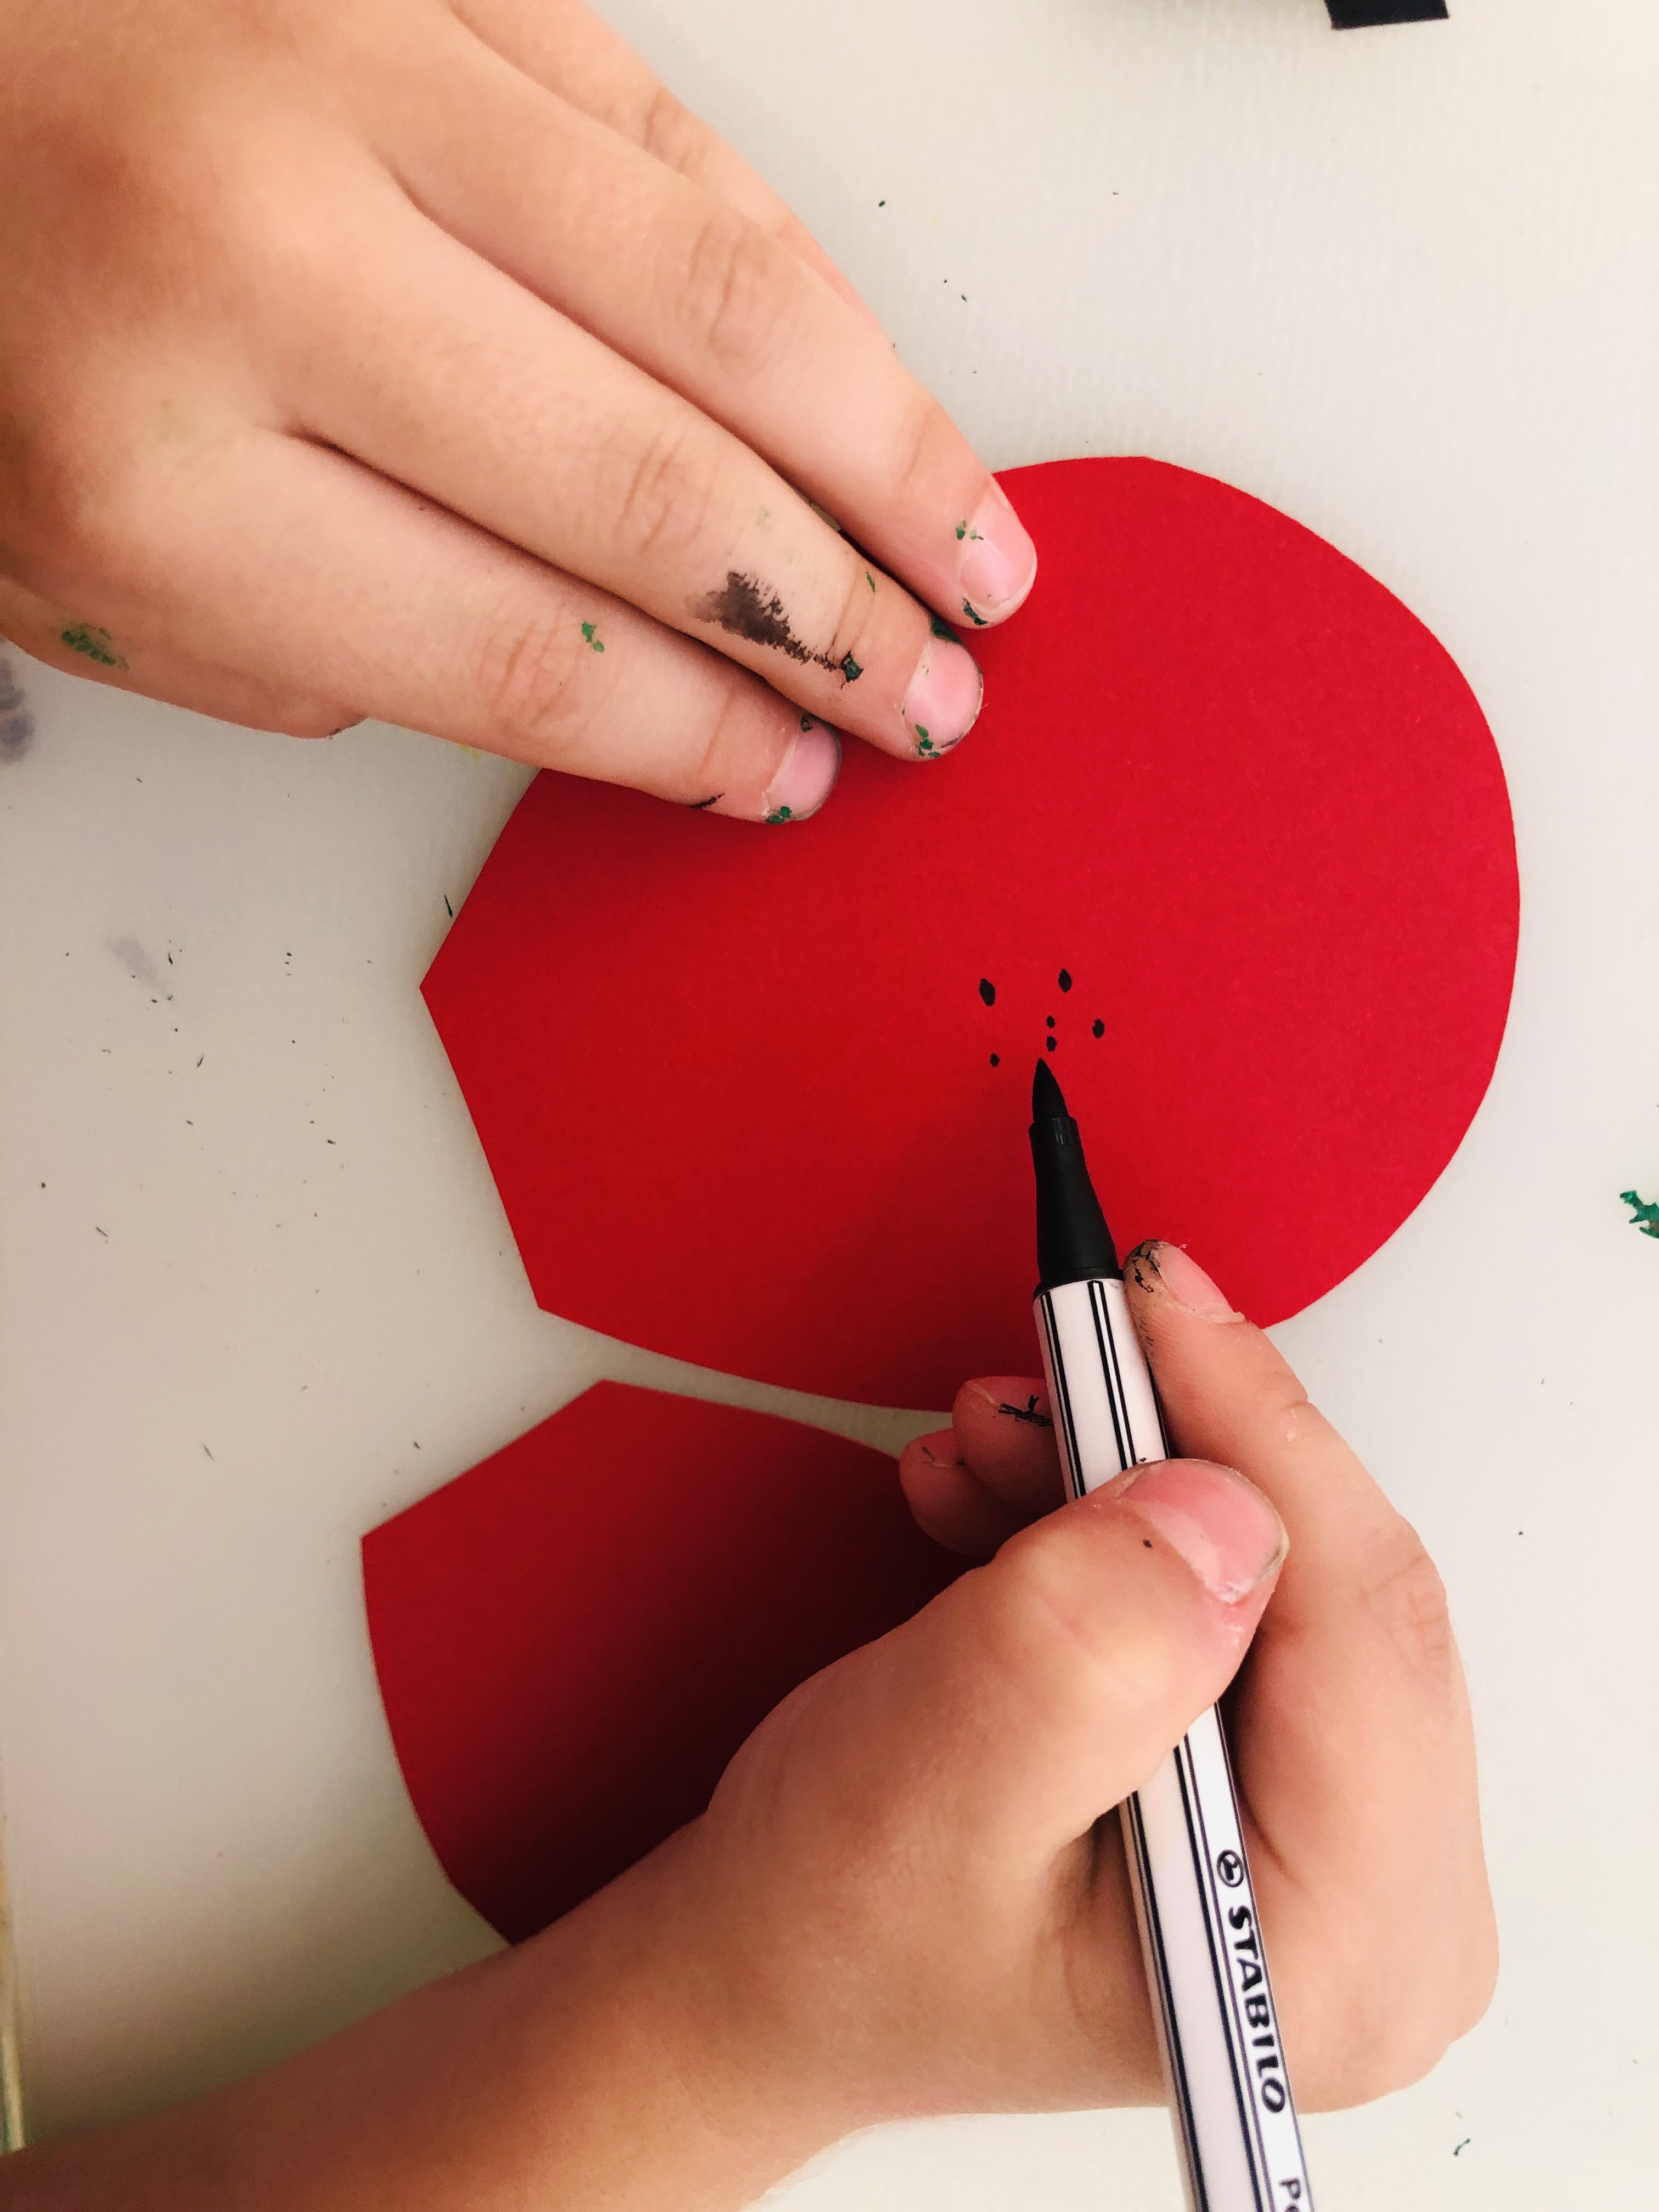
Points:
x=783, y=814
x=940, y=628
x=96, y=644
x=926, y=746
x=977, y=619
x=806, y=722
x=1644, y=1215
x=870, y=579
x=850, y=668
x=590, y=632
x=967, y=530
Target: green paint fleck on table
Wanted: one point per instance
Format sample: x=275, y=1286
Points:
x=1644, y=1213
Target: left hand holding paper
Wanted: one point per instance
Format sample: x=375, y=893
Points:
x=430, y=361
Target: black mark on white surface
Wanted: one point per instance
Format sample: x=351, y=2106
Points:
x=16, y=722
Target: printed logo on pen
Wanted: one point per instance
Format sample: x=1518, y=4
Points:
x=1251, y=1979
x=1231, y=1868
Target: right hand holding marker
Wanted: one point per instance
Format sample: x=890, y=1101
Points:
x=904, y=1898
x=1348, y=1721
x=430, y=361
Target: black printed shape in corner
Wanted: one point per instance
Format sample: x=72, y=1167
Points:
x=1364, y=14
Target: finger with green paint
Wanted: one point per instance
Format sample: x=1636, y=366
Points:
x=431, y=362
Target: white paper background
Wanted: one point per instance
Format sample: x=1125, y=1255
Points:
x=1402, y=283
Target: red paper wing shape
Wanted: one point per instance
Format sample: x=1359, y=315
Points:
x=573, y=1639
x=745, y=1099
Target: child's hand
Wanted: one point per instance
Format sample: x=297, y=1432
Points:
x=905, y=1897
x=430, y=361
x=904, y=1886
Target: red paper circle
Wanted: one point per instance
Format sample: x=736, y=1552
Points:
x=737, y=1088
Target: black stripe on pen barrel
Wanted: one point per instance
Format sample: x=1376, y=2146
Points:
x=1121, y=1435
x=1232, y=2027
x=1062, y=1407
x=1165, y=1996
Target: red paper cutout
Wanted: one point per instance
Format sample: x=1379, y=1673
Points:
x=737, y=1089
x=573, y=1639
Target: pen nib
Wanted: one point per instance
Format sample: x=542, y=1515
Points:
x=1048, y=1099
x=1073, y=1243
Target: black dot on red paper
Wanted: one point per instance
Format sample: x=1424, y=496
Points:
x=1099, y=1029
x=996, y=1061
x=1065, y=979
x=1050, y=1020
x=988, y=991
x=1050, y=1043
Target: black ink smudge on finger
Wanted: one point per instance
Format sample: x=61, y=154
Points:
x=745, y=607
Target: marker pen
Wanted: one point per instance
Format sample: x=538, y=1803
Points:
x=1223, y=2066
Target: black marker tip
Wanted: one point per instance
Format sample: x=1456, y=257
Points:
x=1048, y=1099
x=1073, y=1243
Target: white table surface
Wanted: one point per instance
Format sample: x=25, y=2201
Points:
x=256, y=1289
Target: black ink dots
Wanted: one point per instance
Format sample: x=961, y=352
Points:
x=1050, y=1031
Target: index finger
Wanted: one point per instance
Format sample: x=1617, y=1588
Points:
x=1229, y=1396
x=1352, y=1737
x=677, y=281
x=564, y=46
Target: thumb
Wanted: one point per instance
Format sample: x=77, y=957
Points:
x=1040, y=1690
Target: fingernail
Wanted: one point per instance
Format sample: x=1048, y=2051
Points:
x=942, y=704
x=998, y=561
x=1222, y=1526
x=806, y=774
x=1177, y=1273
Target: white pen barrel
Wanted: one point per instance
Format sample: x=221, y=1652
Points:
x=1100, y=1391
x=1223, y=2066
x=1229, y=2098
